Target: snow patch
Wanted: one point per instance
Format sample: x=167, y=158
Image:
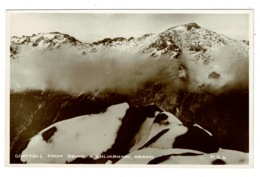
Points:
x=208, y=132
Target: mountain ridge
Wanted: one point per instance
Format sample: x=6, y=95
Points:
x=173, y=42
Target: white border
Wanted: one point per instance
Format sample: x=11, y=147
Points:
x=49, y=4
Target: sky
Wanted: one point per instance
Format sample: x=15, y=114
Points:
x=93, y=26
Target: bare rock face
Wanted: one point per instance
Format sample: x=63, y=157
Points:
x=214, y=75
x=190, y=26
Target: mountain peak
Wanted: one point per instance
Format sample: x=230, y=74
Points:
x=49, y=40
x=185, y=27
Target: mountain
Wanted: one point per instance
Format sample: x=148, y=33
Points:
x=42, y=41
x=189, y=38
x=198, y=50
x=196, y=74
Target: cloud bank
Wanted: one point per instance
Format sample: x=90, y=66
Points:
x=65, y=69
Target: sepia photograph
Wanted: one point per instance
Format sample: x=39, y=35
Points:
x=130, y=87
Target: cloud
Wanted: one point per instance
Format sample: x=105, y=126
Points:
x=65, y=69
x=233, y=71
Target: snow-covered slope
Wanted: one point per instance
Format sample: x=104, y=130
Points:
x=83, y=135
x=118, y=136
